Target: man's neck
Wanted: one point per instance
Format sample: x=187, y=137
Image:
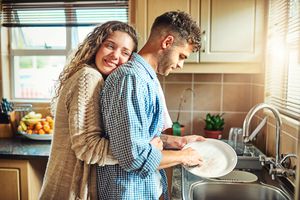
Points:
x=148, y=55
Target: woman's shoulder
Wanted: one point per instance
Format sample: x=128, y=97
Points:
x=89, y=70
x=87, y=75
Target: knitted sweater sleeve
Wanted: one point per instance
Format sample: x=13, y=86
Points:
x=84, y=120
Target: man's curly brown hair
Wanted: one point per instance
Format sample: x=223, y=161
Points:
x=181, y=25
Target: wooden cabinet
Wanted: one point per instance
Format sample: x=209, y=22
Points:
x=10, y=183
x=21, y=179
x=233, y=32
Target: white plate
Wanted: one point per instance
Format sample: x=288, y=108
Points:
x=37, y=136
x=219, y=158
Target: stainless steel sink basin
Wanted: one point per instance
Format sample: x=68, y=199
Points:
x=234, y=191
x=264, y=188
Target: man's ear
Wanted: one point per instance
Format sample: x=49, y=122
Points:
x=167, y=41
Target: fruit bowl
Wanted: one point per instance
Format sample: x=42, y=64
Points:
x=36, y=136
x=34, y=124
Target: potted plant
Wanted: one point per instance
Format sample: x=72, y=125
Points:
x=214, y=125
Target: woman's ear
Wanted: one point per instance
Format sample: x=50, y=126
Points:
x=167, y=41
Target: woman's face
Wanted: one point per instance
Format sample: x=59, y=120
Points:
x=113, y=52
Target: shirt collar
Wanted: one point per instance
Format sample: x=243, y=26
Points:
x=145, y=64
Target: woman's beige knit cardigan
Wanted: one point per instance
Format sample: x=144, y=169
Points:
x=77, y=145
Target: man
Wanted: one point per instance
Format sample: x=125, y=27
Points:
x=133, y=113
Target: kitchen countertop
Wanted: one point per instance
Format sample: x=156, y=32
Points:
x=23, y=148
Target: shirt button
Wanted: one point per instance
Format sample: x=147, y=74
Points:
x=160, y=129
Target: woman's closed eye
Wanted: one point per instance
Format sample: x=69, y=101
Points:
x=126, y=53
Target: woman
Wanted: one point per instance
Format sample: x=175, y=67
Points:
x=77, y=144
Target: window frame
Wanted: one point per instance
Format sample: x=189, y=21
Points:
x=7, y=58
x=36, y=52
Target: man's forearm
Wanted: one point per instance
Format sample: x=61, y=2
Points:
x=170, y=158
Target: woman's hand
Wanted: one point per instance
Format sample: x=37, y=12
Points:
x=157, y=142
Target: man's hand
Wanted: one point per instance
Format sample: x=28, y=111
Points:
x=157, y=142
x=190, y=138
x=191, y=157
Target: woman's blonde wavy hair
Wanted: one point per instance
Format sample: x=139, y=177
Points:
x=87, y=50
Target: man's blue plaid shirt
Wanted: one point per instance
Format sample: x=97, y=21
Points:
x=132, y=116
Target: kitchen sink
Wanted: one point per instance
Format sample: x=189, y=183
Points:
x=234, y=191
x=264, y=188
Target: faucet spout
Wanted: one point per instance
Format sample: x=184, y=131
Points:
x=248, y=118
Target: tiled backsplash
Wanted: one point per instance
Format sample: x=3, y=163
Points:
x=215, y=93
x=232, y=94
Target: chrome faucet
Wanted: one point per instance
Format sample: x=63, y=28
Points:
x=276, y=167
x=249, y=116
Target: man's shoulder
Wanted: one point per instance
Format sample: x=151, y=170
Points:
x=129, y=69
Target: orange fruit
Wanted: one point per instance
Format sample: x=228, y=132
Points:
x=41, y=131
x=49, y=119
x=38, y=126
x=44, y=122
x=47, y=128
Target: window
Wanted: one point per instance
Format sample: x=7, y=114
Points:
x=283, y=57
x=42, y=34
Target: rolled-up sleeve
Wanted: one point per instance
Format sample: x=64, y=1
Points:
x=126, y=121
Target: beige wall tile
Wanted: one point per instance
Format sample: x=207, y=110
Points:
x=257, y=94
x=287, y=144
x=198, y=123
x=236, y=97
x=179, y=77
x=288, y=129
x=258, y=78
x=207, y=77
x=173, y=93
x=240, y=78
x=232, y=120
x=271, y=139
x=207, y=97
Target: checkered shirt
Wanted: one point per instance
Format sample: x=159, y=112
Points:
x=132, y=116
